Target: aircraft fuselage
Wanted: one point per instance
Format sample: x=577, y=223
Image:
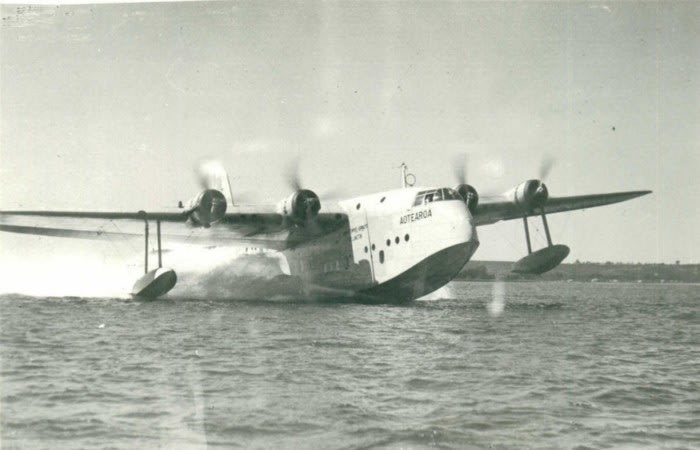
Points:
x=398, y=245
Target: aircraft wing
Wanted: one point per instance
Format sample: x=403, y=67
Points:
x=247, y=225
x=494, y=210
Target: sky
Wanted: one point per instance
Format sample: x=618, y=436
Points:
x=110, y=106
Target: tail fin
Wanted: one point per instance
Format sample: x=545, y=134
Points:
x=212, y=175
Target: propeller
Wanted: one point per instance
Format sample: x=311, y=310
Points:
x=208, y=173
x=293, y=180
x=459, y=165
x=545, y=166
x=211, y=174
x=291, y=175
x=466, y=191
x=542, y=193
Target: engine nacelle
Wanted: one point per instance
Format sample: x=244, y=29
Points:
x=206, y=208
x=529, y=195
x=470, y=196
x=301, y=206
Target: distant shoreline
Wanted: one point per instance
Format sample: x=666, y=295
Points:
x=586, y=272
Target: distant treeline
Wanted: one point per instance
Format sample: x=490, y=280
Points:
x=586, y=271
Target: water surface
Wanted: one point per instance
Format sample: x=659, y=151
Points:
x=564, y=365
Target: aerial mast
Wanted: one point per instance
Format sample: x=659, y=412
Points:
x=407, y=179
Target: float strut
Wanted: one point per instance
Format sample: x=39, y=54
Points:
x=546, y=229
x=527, y=235
x=158, y=281
x=145, y=264
x=160, y=258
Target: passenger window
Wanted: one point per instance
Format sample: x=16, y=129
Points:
x=381, y=256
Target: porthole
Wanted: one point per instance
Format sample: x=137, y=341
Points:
x=388, y=242
x=366, y=249
x=382, y=200
x=373, y=247
x=397, y=240
x=381, y=256
x=357, y=206
x=407, y=237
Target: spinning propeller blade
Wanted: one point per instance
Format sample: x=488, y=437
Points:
x=293, y=180
x=292, y=175
x=210, y=174
x=459, y=165
x=545, y=166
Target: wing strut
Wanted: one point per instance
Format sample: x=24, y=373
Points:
x=159, y=281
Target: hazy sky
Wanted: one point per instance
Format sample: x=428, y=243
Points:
x=109, y=106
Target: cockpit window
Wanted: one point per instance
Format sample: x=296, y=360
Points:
x=435, y=195
x=450, y=194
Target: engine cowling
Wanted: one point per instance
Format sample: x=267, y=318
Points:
x=301, y=206
x=530, y=194
x=206, y=208
x=470, y=196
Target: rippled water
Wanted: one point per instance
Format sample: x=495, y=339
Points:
x=564, y=365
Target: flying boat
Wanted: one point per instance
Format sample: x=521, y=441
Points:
x=391, y=246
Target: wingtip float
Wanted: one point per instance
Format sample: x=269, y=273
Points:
x=156, y=282
x=542, y=260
